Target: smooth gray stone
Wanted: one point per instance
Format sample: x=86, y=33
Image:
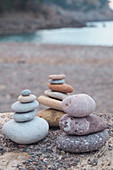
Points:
x=26, y=92
x=27, y=132
x=79, y=144
x=56, y=95
x=24, y=107
x=24, y=117
x=56, y=81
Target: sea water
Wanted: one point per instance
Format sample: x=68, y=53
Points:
x=96, y=33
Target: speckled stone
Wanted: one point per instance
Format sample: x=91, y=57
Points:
x=56, y=81
x=79, y=144
x=24, y=107
x=82, y=126
x=26, y=99
x=57, y=76
x=79, y=105
x=56, y=95
x=24, y=117
x=51, y=116
x=27, y=132
x=63, y=88
x=52, y=103
x=26, y=92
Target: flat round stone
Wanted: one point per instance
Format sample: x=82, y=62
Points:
x=56, y=81
x=27, y=132
x=24, y=107
x=26, y=99
x=57, y=76
x=56, y=95
x=63, y=88
x=79, y=144
x=82, y=126
x=26, y=92
x=51, y=116
x=79, y=105
x=24, y=117
x=53, y=103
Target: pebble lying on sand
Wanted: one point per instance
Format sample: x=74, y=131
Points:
x=78, y=144
x=58, y=91
x=84, y=131
x=52, y=116
x=25, y=128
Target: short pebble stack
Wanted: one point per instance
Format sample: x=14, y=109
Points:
x=26, y=128
x=58, y=90
x=83, y=130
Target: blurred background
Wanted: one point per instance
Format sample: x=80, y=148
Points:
x=42, y=37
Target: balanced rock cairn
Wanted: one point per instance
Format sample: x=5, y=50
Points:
x=84, y=131
x=25, y=128
x=53, y=99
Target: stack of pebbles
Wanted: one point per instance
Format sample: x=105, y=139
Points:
x=53, y=99
x=25, y=128
x=83, y=131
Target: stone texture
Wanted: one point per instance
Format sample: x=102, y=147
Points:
x=53, y=103
x=64, y=88
x=56, y=81
x=56, y=95
x=23, y=117
x=27, y=132
x=24, y=107
x=51, y=116
x=57, y=76
x=26, y=99
x=26, y=92
x=79, y=144
x=79, y=105
x=82, y=126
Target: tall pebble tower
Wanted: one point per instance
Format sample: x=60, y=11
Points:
x=25, y=128
x=83, y=130
x=52, y=98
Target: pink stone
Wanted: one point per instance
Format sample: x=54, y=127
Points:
x=79, y=105
x=82, y=126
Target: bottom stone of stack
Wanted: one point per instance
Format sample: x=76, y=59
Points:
x=27, y=132
x=52, y=116
x=79, y=144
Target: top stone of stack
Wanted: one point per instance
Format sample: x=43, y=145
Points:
x=57, y=84
x=79, y=105
x=57, y=76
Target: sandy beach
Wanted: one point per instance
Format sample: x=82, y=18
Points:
x=88, y=69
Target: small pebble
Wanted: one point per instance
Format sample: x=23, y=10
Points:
x=26, y=92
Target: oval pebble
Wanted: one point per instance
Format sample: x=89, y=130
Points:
x=26, y=99
x=56, y=81
x=24, y=107
x=57, y=76
x=27, y=132
x=82, y=126
x=26, y=92
x=79, y=105
x=56, y=95
x=79, y=144
x=24, y=117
